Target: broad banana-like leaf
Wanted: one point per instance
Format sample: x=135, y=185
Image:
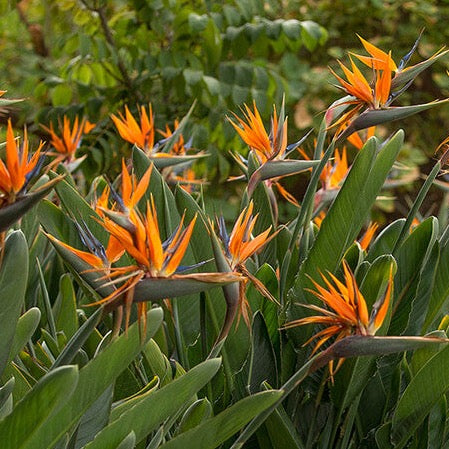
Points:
x=6, y=399
x=196, y=414
x=425, y=389
x=25, y=328
x=129, y=442
x=77, y=341
x=262, y=363
x=128, y=403
x=66, y=316
x=440, y=291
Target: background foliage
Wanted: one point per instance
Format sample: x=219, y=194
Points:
x=93, y=56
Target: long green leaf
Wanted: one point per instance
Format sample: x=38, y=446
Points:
x=417, y=204
x=354, y=346
x=423, y=392
x=129, y=442
x=25, y=328
x=130, y=402
x=154, y=409
x=65, y=307
x=13, y=283
x=94, y=378
x=217, y=430
x=440, y=291
x=412, y=257
x=77, y=341
x=262, y=365
x=196, y=414
x=94, y=419
x=282, y=431
x=35, y=409
x=346, y=216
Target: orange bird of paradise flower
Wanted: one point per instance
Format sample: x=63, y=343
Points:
x=67, y=141
x=239, y=246
x=368, y=235
x=141, y=134
x=377, y=93
x=252, y=131
x=374, y=95
x=267, y=147
x=19, y=168
x=358, y=139
x=138, y=234
x=141, y=239
x=346, y=313
x=388, y=82
x=334, y=173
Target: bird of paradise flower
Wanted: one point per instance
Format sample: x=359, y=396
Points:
x=370, y=100
x=138, y=234
x=66, y=140
x=239, y=246
x=346, y=313
x=270, y=150
x=17, y=174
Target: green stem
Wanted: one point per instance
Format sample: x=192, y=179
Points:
x=47, y=303
x=315, y=412
x=288, y=387
x=349, y=423
x=203, y=336
x=203, y=327
x=224, y=353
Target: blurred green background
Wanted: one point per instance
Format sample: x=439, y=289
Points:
x=91, y=57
